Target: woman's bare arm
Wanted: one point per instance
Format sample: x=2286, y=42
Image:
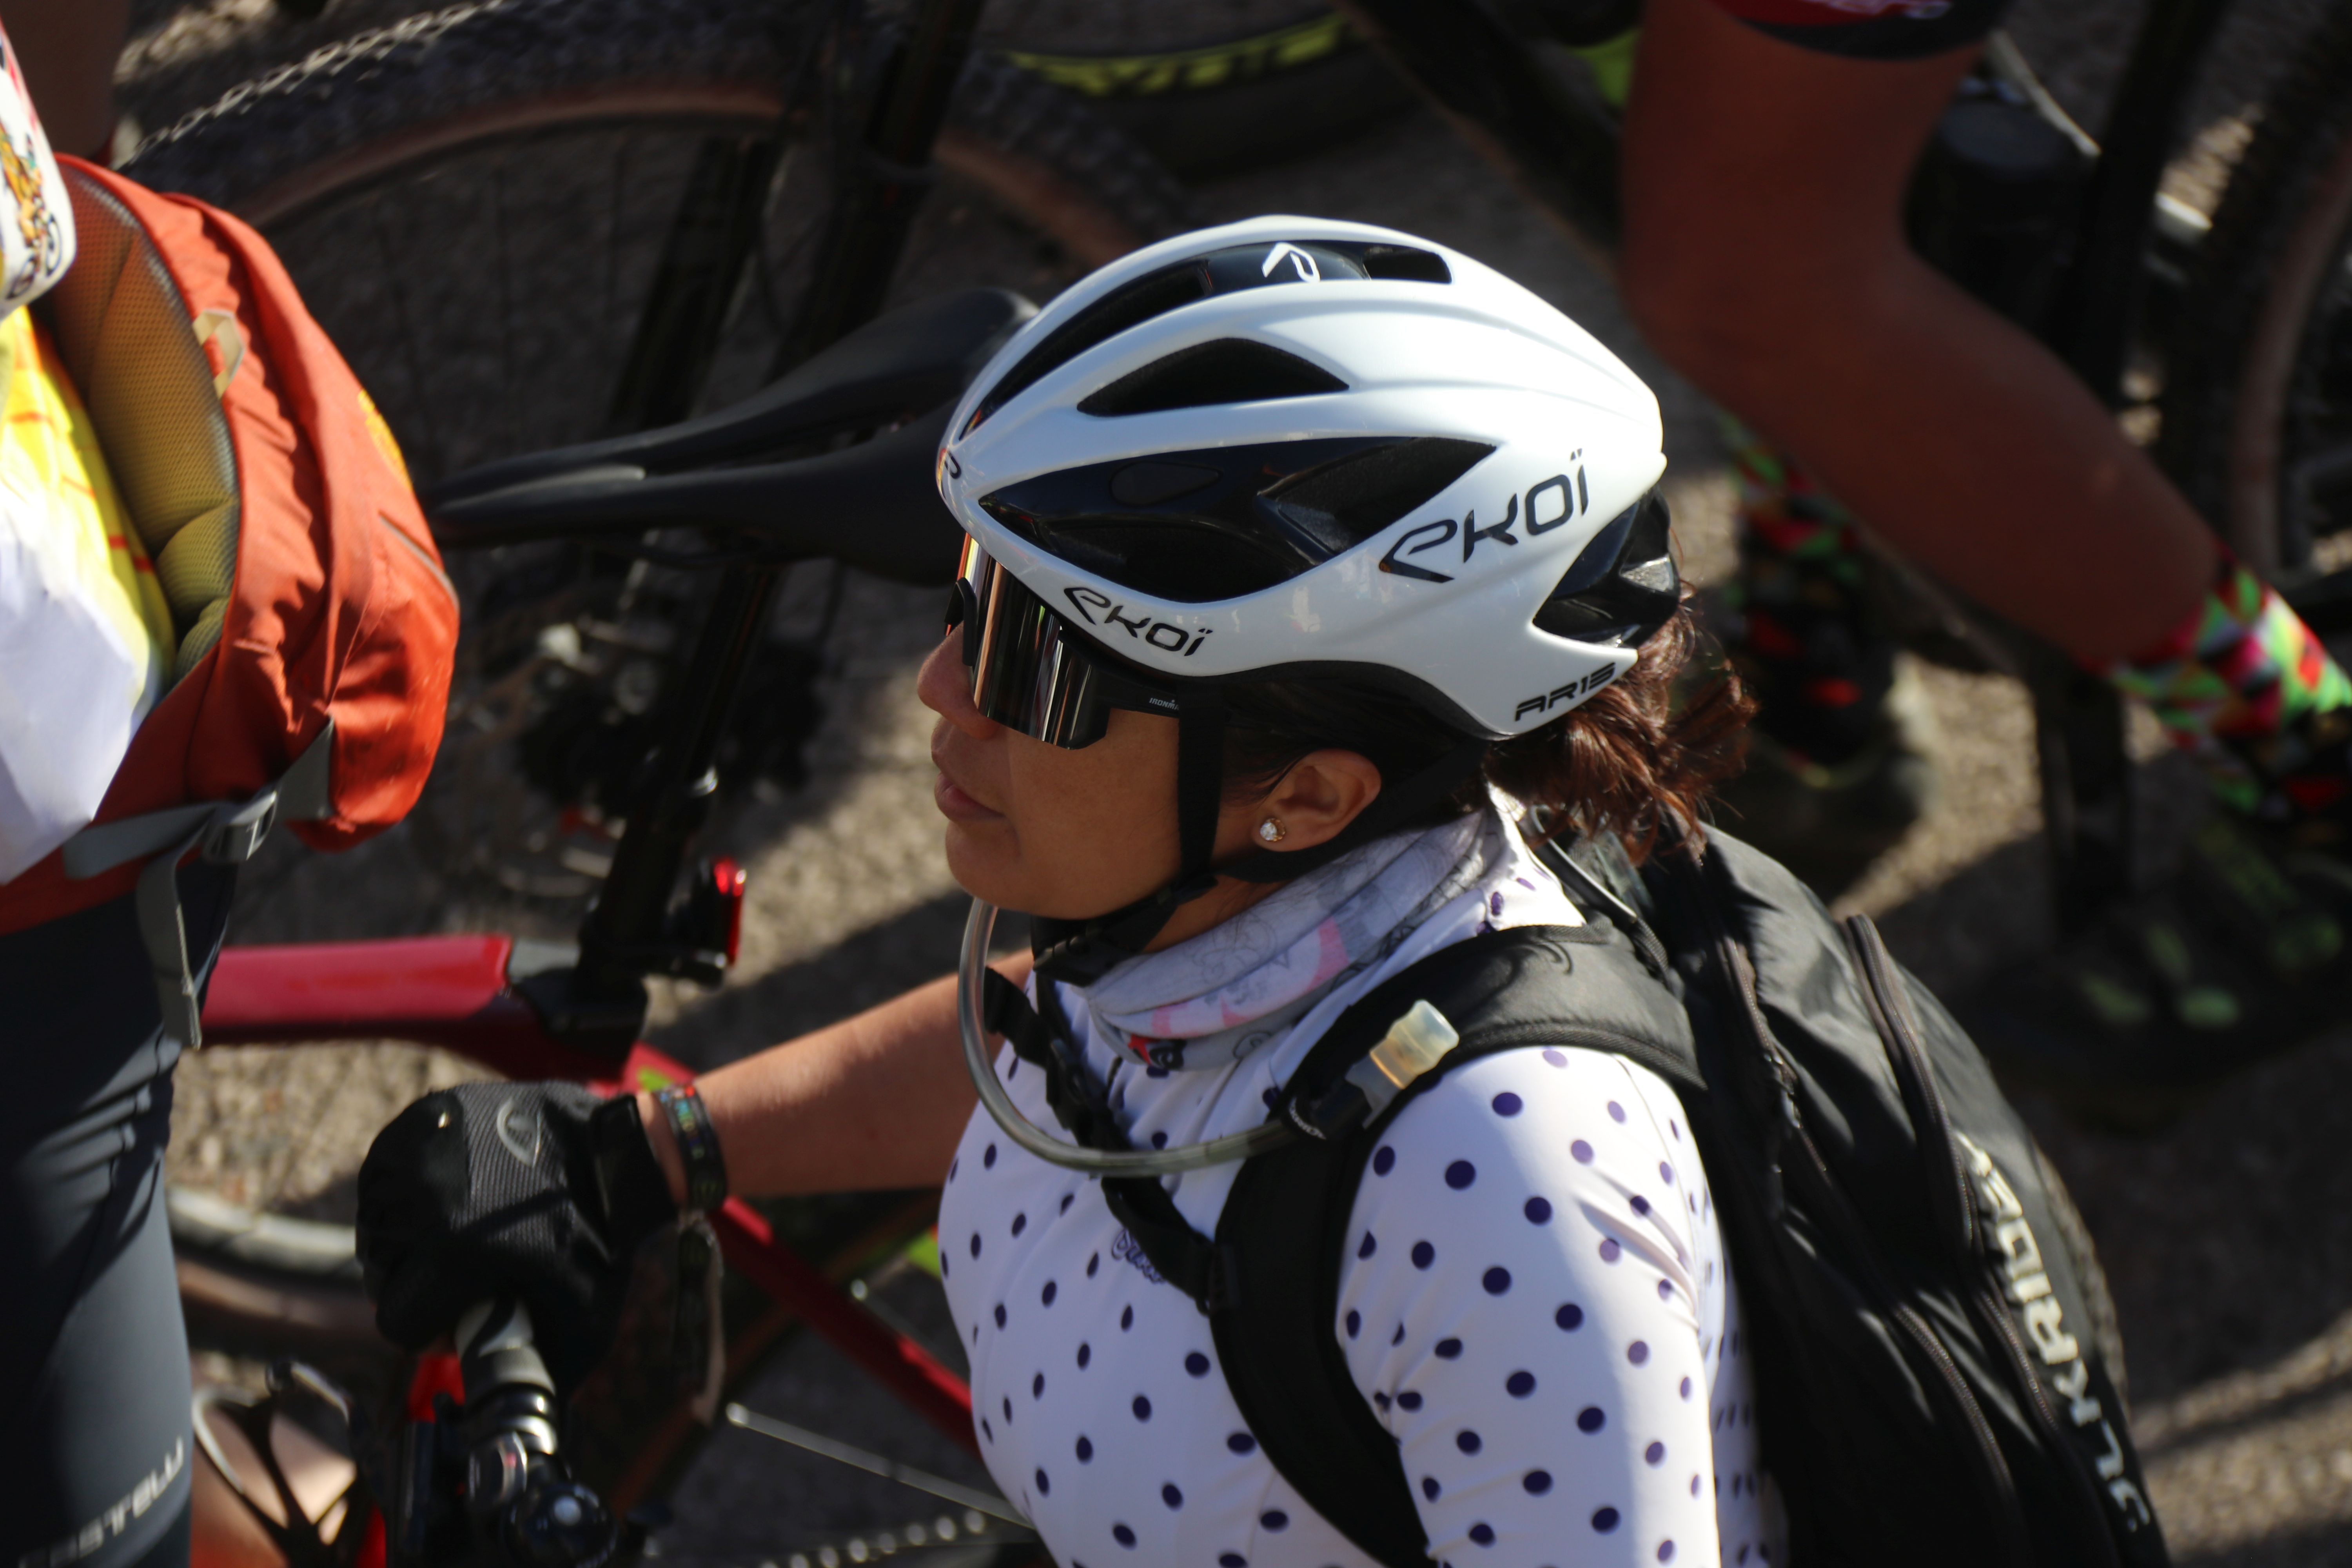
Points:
x=874, y=1101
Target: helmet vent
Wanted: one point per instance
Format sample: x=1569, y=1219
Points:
x=1342, y=502
x=1155, y=294
x=1230, y=370
x=1623, y=586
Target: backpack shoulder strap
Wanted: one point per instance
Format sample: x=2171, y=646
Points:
x=1283, y=1227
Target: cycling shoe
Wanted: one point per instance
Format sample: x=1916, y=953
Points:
x=2242, y=956
x=1829, y=823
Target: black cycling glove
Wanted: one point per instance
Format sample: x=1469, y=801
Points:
x=538, y=1191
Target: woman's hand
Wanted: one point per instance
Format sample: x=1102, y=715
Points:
x=538, y=1191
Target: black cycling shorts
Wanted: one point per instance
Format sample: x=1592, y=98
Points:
x=96, y=1438
x=1873, y=29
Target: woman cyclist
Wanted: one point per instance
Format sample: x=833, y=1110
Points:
x=1305, y=558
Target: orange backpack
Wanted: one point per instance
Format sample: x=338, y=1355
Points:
x=316, y=626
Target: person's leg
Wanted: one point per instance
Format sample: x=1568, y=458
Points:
x=95, y=1432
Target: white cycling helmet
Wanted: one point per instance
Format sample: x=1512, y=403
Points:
x=1293, y=448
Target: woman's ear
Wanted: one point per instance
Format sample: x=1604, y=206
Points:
x=1320, y=795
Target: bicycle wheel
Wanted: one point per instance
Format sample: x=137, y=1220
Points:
x=1211, y=88
x=474, y=202
x=2257, y=410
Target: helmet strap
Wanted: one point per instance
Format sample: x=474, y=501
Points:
x=1078, y=953
x=1081, y=952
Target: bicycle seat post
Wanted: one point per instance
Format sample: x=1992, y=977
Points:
x=626, y=934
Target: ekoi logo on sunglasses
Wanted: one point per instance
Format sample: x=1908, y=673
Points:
x=1165, y=635
x=1570, y=495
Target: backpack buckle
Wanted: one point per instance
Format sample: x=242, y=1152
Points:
x=233, y=840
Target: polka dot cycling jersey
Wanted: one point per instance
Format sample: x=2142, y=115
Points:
x=1534, y=1301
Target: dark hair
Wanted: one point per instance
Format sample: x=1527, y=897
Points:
x=1642, y=753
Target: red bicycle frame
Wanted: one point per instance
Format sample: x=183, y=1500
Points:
x=455, y=992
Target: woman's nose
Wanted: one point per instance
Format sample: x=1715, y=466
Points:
x=945, y=688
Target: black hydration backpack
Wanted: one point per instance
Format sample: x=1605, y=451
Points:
x=1936, y=1369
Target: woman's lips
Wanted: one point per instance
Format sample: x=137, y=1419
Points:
x=955, y=803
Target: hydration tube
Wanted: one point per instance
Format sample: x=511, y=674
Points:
x=977, y=929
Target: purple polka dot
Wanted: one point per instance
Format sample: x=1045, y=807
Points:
x=1447, y=1348
x=1675, y=1127
x=1232, y=1560
x=1384, y=1161
x=1496, y=1279
x=1686, y=1388
x=1589, y=1419
x=1037, y=1386
x=1240, y=1443
x=1655, y=1454
x=943, y=1265
x=1570, y=1316
x=1126, y=1318
x=1638, y=1352
x=1665, y=1290
x=1380, y=1401
x=1171, y=1496
x=1085, y=1450
x=1424, y=1255
x=1665, y=1173
x=1460, y=1174
x=1008, y=1408
x=986, y=1431
x=1020, y=1223
x=1000, y=1314
x=988, y=1157
x=1196, y=1363
x=1537, y=1482
x=1468, y=1442
x=1555, y=1057
x=1616, y=1112
x=1274, y=1518
x=953, y=1166
x=1160, y=1140
x=1604, y=1520
x=1046, y=1297
x=975, y=1244
x=1155, y=1072
x=1397, y=1338
x=1609, y=1249
x=1355, y=1322
x=1269, y=1097
x=1142, y=1409
x=1694, y=1486
x=1641, y=1204
x=1582, y=1151
x=1494, y=903
x=1094, y=1261
x=1123, y=1535
x=1045, y=1487
x=1666, y=1551
x=1519, y=1384
x=1429, y=1487
x=1366, y=1247
x=1508, y=1104
x=1408, y=1400
x=1538, y=1211
x=1483, y=1533
x=1065, y=1202
x=1086, y=1353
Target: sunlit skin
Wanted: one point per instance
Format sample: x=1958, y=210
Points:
x=1073, y=833
x=881, y=1100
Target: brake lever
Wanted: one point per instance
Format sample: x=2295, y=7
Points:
x=485, y=1483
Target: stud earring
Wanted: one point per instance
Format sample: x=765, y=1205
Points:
x=1272, y=831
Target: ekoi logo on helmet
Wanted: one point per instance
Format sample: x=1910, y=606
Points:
x=1570, y=495
x=1165, y=635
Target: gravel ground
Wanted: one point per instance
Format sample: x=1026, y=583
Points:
x=2227, y=1238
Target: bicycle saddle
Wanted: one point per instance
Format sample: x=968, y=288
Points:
x=872, y=505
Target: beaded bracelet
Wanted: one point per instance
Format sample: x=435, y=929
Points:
x=698, y=1146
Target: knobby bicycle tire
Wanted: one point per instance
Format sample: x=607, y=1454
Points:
x=2257, y=409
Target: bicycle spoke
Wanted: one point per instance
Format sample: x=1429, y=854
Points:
x=873, y=1464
